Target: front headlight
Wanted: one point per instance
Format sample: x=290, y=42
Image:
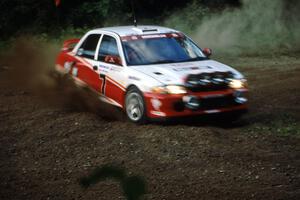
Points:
x=169, y=89
x=238, y=83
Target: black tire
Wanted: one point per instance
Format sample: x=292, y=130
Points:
x=135, y=107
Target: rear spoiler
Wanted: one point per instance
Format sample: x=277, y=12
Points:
x=69, y=45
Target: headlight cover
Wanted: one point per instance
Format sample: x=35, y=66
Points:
x=238, y=83
x=169, y=89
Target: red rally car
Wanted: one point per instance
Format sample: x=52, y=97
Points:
x=152, y=72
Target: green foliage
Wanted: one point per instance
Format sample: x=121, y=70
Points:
x=189, y=18
x=38, y=16
x=284, y=125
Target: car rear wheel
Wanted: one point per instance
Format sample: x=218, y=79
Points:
x=135, y=106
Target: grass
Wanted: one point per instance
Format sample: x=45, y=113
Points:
x=284, y=125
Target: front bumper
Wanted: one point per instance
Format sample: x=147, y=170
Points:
x=179, y=105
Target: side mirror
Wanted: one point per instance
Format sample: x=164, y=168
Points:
x=80, y=52
x=207, y=52
x=113, y=60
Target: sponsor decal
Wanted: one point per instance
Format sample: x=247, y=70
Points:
x=134, y=78
x=154, y=36
x=116, y=69
x=150, y=36
x=110, y=60
x=104, y=68
x=179, y=69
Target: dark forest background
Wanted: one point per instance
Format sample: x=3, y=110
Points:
x=235, y=25
x=42, y=16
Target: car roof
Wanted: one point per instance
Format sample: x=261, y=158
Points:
x=135, y=30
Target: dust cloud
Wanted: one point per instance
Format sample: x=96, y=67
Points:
x=29, y=66
x=258, y=26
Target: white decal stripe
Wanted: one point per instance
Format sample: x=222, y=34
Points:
x=60, y=69
x=81, y=60
x=115, y=83
x=110, y=101
x=79, y=81
x=71, y=53
x=212, y=111
x=84, y=62
x=158, y=113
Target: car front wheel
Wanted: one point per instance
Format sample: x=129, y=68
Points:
x=135, y=106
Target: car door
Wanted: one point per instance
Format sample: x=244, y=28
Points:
x=86, y=61
x=111, y=69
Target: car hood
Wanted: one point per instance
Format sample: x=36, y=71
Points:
x=176, y=73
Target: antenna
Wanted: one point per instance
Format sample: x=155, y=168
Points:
x=133, y=13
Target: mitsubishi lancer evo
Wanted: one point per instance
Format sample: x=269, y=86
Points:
x=152, y=72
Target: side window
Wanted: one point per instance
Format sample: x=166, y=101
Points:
x=108, y=46
x=88, y=47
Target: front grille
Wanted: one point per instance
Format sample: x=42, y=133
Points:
x=208, y=88
x=208, y=81
x=209, y=103
x=217, y=102
x=179, y=106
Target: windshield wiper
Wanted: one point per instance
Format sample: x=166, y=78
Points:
x=162, y=62
x=195, y=59
x=177, y=61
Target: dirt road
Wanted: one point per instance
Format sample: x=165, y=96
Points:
x=45, y=149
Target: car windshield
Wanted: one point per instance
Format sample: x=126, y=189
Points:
x=158, y=50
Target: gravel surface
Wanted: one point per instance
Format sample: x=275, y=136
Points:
x=45, y=148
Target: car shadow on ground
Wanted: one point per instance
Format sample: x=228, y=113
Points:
x=226, y=121
x=221, y=121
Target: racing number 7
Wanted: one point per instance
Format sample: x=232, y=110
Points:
x=103, y=77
